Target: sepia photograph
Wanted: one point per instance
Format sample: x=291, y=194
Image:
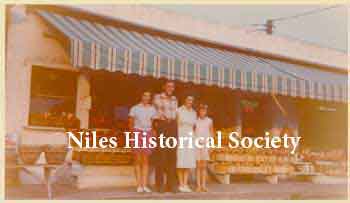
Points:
x=169, y=101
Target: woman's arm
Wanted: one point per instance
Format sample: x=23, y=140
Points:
x=178, y=119
x=130, y=122
x=154, y=129
x=212, y=132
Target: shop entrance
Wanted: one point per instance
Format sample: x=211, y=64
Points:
x=114, y=93
x=325, y=122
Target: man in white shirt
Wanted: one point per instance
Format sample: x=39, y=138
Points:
x=165, y=158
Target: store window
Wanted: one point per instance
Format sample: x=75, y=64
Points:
x=52, y=96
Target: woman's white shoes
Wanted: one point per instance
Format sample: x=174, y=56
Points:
x=146, y=189
x=143, y=189
x=139, y=189
x=181, y=189
x=185, y=188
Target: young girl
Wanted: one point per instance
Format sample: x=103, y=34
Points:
x=203, y=128
x=140, y=119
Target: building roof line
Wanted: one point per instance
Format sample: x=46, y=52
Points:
x=108, y=20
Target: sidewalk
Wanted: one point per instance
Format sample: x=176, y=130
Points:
x=287, y=190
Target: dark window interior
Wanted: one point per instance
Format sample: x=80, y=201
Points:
x=52, y=96
x=114, y=93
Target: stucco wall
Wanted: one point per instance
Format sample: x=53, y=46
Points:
x=27, y=46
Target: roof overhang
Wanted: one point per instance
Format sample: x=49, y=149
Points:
x=169, y=25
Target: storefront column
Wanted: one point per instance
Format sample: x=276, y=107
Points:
x=83, y=100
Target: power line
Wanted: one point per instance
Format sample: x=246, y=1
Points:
x=307, y=13
x=298, y=15
x=269, y=26
x=285, y=35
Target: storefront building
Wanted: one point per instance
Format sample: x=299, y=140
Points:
x=62, y=59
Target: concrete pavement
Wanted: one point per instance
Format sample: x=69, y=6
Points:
x=285, y=190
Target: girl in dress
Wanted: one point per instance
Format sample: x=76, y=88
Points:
x=140, y=120
x=203, y=129
x=186, y=157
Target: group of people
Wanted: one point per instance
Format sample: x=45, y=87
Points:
x=162, y=115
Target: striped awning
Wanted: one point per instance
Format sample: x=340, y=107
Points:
x=112, y=48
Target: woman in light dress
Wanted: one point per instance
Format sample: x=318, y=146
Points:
x=186, y=156
x=203, y=130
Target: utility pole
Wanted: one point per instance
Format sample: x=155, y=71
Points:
x=269, y=26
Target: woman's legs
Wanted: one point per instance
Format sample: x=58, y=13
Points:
x=185, y=176
x=138, y=170
x=144, y=170
x=204, y=175
x=180, y=176
x=185, y=187
x=198, y=176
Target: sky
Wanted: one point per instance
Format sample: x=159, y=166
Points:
x=327, y=28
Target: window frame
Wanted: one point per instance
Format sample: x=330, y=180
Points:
x=54, y=67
